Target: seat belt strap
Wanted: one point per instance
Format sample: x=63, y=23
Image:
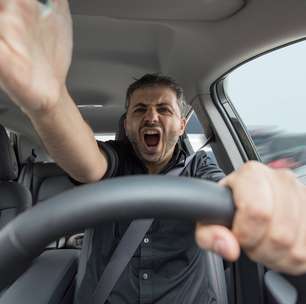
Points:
x=120, y=258
x=125, y=250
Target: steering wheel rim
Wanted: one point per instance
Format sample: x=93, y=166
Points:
x=119, y=198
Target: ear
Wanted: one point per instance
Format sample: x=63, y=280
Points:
x=183, y=125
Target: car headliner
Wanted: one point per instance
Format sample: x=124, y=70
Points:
x=195, y=41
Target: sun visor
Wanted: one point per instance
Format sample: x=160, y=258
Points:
x=191, y=10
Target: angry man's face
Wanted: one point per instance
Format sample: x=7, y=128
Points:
x=153, y=125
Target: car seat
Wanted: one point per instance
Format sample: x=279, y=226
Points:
x=51, y=274
x=14, y=197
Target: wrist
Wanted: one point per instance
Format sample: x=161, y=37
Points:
x=50, y=104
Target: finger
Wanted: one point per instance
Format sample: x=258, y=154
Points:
x=12, y=33
x=218, y=239
x=252, y=219
x=3, y=5
x=27, y=6
x=298, y=252
x=294, y=261
x=25, y=10
x=291, y=261
x=13, y=67
x=251, y=169
x=252, y=195
x=280, y=242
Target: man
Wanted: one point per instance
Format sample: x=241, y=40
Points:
x=33, y=71
x=170, y=257
x=166, y=266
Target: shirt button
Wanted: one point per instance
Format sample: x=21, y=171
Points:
x=145, y=276
x=146, y=240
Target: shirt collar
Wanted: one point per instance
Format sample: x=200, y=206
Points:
x=178, y=159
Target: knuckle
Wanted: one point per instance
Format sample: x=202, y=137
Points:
x=287, y=174
x=244, y=237
x=255, y=171
x=251, y=166
x=258, y=213
x=289, y=183
x=281, y=238
x=247, y=235
x=298, y=256
x=254, y=256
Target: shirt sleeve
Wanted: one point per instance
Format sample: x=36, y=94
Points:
x=111, y=156
x=207, y=167
x=112, y=161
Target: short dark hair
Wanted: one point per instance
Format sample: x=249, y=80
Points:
x=157, y=80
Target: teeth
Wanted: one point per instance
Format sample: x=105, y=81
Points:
x=151, y=132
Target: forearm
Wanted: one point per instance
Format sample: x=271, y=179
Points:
x=69, y=140
x=35, y=57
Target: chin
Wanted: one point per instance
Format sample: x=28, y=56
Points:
x=151, y=159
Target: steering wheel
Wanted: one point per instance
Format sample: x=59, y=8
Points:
x=119, y=198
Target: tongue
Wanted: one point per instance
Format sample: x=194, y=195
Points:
x=152, y=140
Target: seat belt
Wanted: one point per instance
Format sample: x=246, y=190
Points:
x=126, y=249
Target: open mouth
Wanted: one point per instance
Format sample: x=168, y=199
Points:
x=151, y=138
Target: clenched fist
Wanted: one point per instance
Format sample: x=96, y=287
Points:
x=270, y=219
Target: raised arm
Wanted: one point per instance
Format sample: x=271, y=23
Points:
x=35, y=56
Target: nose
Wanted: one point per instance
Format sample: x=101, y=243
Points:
x=151, y=115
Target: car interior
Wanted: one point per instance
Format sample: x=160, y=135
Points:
x=44, y=214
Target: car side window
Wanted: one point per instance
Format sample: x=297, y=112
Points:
x=197, y=138
x=195, y=132
x=269, y=95
x=105, y=136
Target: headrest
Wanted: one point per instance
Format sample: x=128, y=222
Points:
x=8, y=161
x=120, y=134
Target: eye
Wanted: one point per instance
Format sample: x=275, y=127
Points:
x=164, y=110
x=139, y=110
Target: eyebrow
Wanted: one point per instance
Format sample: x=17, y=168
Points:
x=140, y=104
x=162, y=104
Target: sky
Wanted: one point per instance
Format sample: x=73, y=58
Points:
x=271, y=90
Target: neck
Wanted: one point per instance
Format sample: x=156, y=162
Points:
x=155, y=168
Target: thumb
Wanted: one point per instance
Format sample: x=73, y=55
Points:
x=218, y=239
